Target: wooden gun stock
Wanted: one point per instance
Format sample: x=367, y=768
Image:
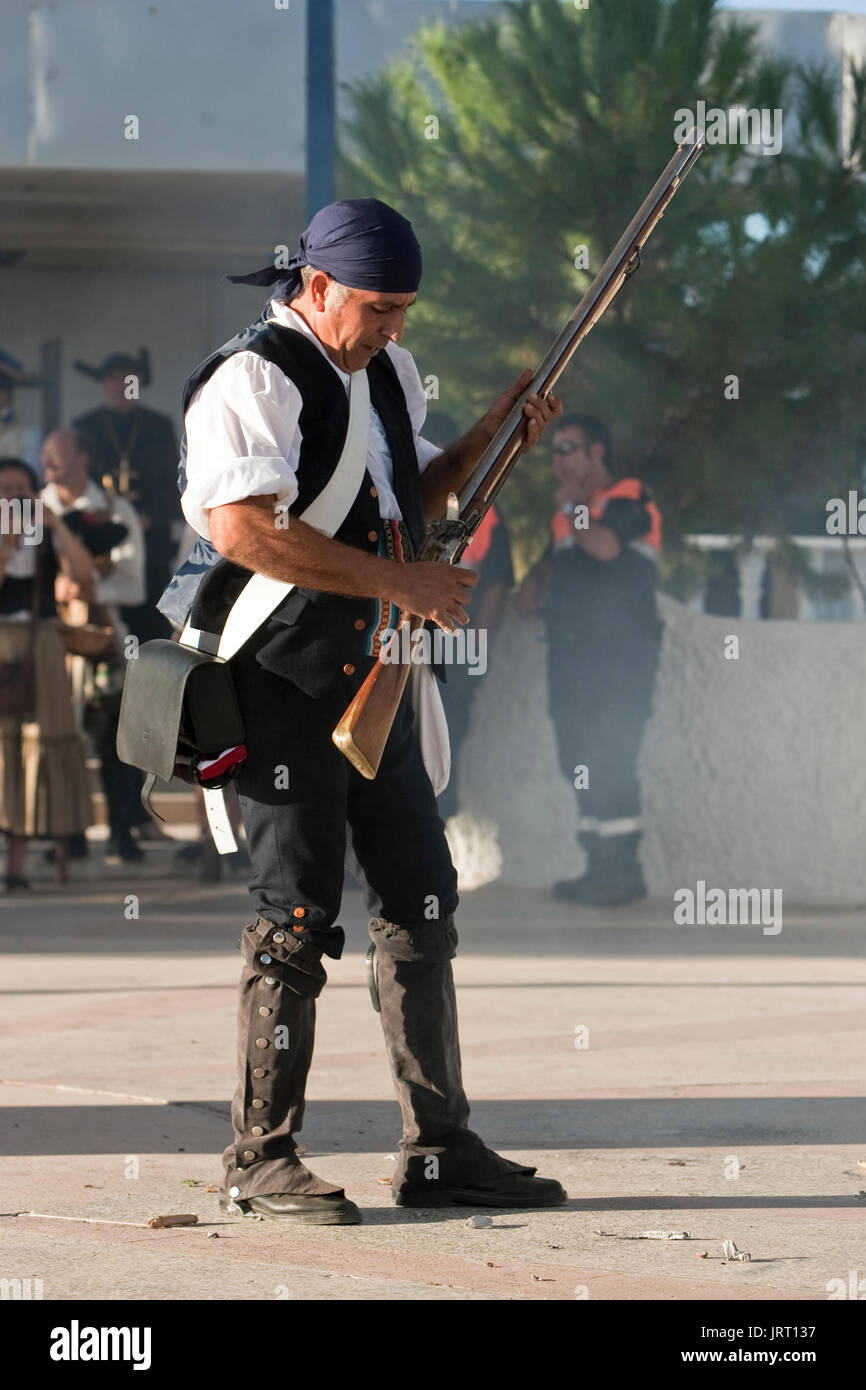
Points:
x=363, y=731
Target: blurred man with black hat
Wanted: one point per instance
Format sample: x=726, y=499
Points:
x=135, y=456
x=267, y=419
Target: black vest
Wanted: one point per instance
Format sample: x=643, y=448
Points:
x=312, y=636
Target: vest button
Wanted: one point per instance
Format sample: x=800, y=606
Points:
x=348, y=669
x=360, y=624
x=261, y=1042
x=299, y=912
x=374, y=492
x=258, y=1105
x=248, y=1155
x=257, y=1130
x=258, y=1071
x=372, y=536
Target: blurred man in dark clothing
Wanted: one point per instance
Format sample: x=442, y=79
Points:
x=112, y=533
x=135, y=454
x=595, y=589
x=490, y=556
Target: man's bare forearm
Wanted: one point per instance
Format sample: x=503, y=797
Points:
x=247, y=534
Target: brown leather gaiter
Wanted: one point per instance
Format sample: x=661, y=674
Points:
x=279, y=984
x=419, y=1020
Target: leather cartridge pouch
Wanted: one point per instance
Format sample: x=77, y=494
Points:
x=179, y=703
x=176, y=702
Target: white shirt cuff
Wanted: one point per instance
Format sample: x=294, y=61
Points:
x=426, y=452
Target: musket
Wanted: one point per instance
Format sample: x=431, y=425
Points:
x=363, y=730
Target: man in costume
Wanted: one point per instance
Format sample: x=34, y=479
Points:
x=135, y=456
x=595, y=588
x=266, y=419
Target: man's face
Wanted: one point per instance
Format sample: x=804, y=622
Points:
x=573, y=463
x=62, y=463
x=362, y=325
x=114, y=389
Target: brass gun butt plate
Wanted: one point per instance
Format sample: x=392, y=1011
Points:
x=347, y=746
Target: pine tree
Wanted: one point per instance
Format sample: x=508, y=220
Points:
x=515, y=142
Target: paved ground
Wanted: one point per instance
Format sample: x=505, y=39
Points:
x=721, y=1093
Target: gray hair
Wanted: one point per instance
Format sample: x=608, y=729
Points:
x=341, y=292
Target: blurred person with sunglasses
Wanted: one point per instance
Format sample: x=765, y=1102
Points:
x=594, y=587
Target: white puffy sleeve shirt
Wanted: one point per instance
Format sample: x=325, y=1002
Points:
x=244, y=440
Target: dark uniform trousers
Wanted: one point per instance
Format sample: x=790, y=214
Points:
x=298, y=793
x=600, y=701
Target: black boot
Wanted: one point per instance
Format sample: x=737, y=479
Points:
x=614, y=877
x=441, y=1160
x=574, y=890
x=276, y=1023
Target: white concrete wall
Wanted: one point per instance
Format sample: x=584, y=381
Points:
x=753, y=771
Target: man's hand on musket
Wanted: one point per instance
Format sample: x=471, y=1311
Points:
x=245, y=532
x=449, y=471
x=539, y=411
x=433, y=590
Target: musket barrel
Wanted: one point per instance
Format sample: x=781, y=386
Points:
x=606, y=285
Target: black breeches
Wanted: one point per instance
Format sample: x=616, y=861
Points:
x=599, y=719
x=298, y=794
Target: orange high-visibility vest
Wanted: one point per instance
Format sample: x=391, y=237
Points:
x=635, y=490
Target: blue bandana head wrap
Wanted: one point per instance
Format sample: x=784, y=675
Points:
x=360, y=242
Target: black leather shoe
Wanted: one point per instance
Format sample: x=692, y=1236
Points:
x=572, y=890
x=614, y=876
x=512, y=1190
x=589, y=894
x=332, y=1209
x=16, y=885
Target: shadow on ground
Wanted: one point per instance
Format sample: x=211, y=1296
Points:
x=373, y=1126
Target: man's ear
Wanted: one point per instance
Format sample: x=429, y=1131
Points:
x=319, y=289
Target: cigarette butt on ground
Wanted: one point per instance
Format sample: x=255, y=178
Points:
x=184, y=1218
